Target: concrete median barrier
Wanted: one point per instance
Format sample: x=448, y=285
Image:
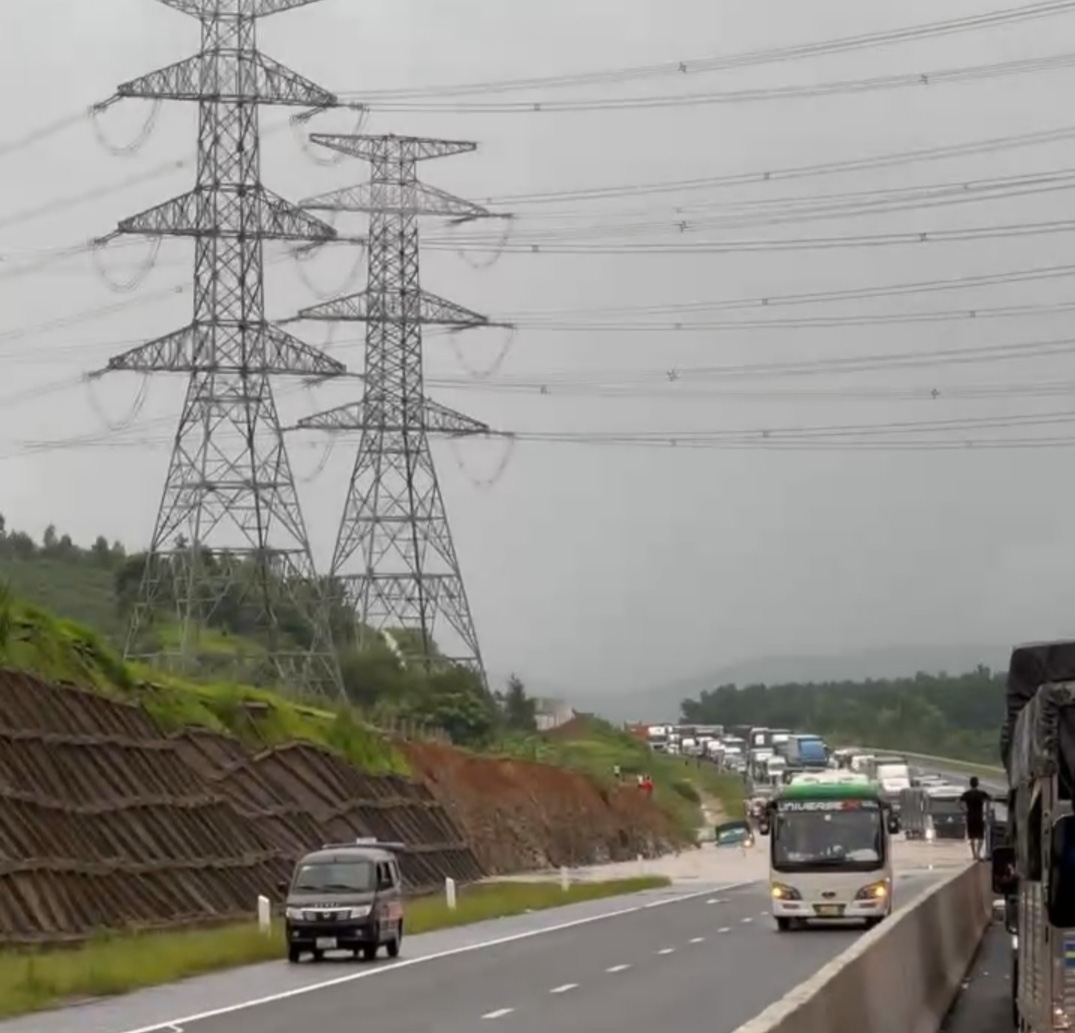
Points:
x=901, y=977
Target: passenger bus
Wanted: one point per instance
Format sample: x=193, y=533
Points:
x=830, y=854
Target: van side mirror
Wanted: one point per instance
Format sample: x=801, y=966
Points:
x=1005, y=879
x=1060, y=893
x=282, y=887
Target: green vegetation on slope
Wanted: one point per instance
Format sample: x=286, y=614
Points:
x=98, y=586
x=62, y=651
x=596, y=747
x=112, y=965
x=947, y=716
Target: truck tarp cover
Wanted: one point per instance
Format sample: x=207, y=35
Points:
x=1031, y=667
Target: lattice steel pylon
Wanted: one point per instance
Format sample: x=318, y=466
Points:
x=229, y=535
x=394, y=525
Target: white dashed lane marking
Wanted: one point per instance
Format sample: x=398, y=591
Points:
x=725, y=929
x=746, y=921
x=498, y=1014
x=563, y=989
x=618, y=968
x=698, y=939
x=666, y=950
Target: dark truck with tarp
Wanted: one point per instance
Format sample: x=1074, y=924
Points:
x=1033, y=869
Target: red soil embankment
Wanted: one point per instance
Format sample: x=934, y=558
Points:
x=519, y=815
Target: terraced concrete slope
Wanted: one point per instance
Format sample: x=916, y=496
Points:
x=105, y=822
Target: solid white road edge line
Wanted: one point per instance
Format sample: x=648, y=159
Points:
x=352, y=977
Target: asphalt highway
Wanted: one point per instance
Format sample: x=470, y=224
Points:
x=714, y=956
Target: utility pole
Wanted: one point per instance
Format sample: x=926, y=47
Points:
x=230, y=544
x=394, y=553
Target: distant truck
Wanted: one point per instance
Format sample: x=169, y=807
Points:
x=893, y=774
x=807, y=751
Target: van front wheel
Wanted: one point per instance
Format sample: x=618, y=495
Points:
x=783, y=925
x=396, y=942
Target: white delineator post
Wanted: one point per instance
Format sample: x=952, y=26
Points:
x=565, y=878
x=449, y=893
x=264, y=914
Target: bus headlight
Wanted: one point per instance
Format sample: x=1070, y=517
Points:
x=782, y=892
x=875, y=891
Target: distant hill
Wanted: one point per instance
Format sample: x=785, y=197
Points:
x=662, y=702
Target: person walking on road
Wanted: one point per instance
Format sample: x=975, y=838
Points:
x=974, y=802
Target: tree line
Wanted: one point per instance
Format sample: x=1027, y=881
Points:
x=376, y=679
x=947, y=715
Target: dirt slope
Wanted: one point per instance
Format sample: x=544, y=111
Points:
x=107, y=822
x=519, y=816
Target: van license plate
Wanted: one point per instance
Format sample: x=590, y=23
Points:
x=829, y=910
x=325, y=943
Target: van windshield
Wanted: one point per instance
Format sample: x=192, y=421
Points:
x=335, y=877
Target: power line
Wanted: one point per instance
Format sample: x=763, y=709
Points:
x=745, y=59
x=966, y=73
x=867, y=163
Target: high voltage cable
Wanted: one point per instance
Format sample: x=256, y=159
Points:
x=794, y=244
x=514, y=201
x=991, y=19
x=804, y=323
x=966, y=73
x=744, y=59
x=767, y=302
x=1044, y=136
x=771, y=212
x=851, y=437
x=536, y=382
x=796, y=209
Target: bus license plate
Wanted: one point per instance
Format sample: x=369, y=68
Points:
x=829, y=910
x=325, y=943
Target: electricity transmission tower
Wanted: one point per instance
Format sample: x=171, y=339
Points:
x=394, y=524
x=230, y=537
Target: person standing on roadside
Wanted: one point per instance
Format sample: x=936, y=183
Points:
x=974, y=802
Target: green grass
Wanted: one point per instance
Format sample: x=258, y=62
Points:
x=63, y=651
x=117, y=964
x=594, y=747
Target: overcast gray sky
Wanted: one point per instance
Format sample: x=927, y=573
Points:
x=603, y=567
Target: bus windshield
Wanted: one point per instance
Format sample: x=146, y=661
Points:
x=817, y=835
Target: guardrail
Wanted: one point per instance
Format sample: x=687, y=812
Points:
x=948, y=763
x=901, y=977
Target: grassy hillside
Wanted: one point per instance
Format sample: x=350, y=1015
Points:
x=33, y=640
